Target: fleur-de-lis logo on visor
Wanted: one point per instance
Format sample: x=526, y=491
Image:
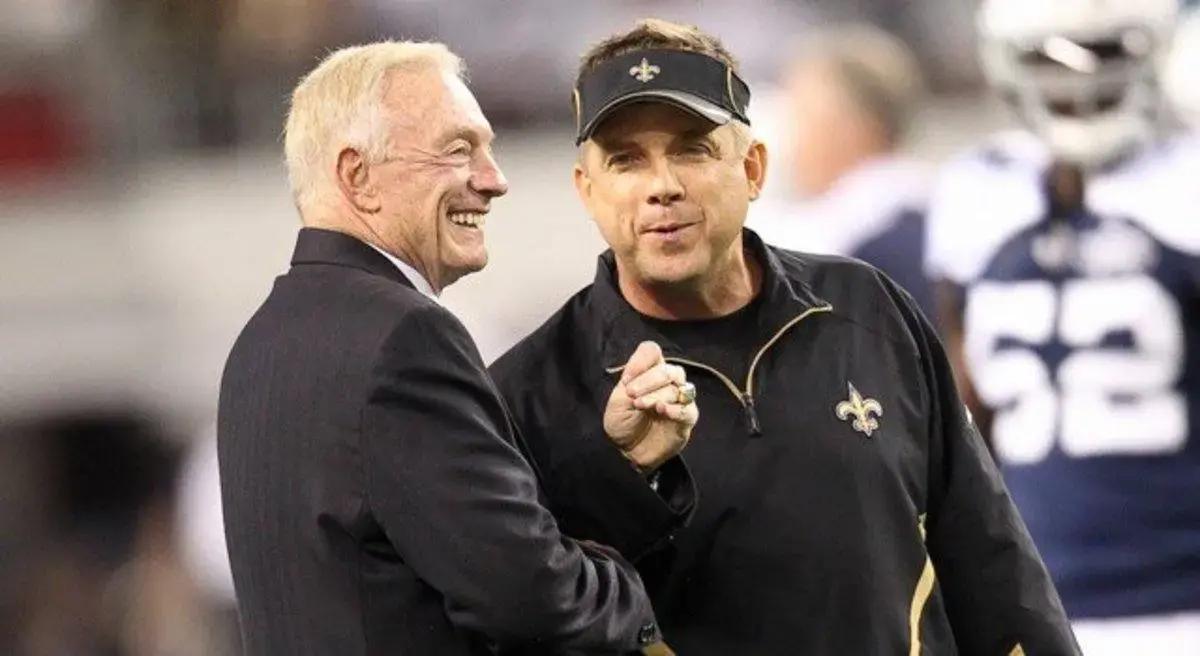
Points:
x=861, y=409
x=645, y=71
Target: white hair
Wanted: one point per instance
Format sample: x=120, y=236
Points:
x=339, y=104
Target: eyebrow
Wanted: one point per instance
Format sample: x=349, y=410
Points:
x=703, y=132
x=474, y=136
x=616, y=144
x=698, y=134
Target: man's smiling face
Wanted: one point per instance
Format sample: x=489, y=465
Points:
x=439, y=177
x=668, y=190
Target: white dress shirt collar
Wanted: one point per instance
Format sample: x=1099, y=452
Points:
x=409, y=272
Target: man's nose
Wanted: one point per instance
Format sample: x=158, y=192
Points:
x=487, y=179
x=665, y=187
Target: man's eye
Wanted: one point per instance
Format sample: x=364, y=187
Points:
x=619, y=160
x=697, y=149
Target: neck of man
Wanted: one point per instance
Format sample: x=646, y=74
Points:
x=357, y=226
x=726, y=287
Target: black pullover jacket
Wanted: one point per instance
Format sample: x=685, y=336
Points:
x=846, y=504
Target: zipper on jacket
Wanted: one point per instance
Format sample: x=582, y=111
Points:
x=746, y=396
x=747, y=401
x=751, y=415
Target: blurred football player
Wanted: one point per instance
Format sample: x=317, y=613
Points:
x=849, y=97
x=1068, y=255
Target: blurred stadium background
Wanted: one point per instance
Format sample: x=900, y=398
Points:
x=144, y=212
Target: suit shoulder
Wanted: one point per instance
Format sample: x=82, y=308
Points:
x=395, y=295
x=362, y=292
x=312, y=303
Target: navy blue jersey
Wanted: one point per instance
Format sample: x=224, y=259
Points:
x=1082, y=334
x=899, y=251
x=875, y=212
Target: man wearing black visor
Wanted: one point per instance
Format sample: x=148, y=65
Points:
x=846, y=503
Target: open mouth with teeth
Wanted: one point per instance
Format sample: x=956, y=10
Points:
x=468, y=219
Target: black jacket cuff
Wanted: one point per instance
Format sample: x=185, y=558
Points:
x=605, y=499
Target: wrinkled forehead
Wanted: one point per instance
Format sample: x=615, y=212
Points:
x=428, y=102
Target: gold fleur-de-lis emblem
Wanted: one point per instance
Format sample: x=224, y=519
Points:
x=861, y=409
x=645, y=71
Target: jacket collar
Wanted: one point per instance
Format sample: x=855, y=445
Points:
x=319, y=246
x=784, y=294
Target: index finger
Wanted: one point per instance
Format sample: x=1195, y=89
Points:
x=647, y=355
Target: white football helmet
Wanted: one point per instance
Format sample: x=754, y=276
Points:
x=1181, y=77
x=1081, y=73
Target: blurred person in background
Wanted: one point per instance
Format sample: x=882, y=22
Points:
x=846, y=504
x=850, y=96
x=1181, y=78
x=375, y=496
x=90, y=563
x=1069, y=260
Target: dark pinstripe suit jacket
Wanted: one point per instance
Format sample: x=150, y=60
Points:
x=376, y=499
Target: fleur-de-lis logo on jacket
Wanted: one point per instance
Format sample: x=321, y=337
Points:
x=861, y=409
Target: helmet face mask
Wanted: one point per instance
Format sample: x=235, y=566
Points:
x=1085, y=85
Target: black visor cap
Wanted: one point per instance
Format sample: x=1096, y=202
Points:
x=691, y=81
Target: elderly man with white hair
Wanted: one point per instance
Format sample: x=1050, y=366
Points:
x=377, y=499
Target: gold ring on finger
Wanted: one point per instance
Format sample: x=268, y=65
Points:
x=687, y=393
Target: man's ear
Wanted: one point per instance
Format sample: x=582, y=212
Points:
x=755, y=164
x=354, y=181
x=583, y=181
